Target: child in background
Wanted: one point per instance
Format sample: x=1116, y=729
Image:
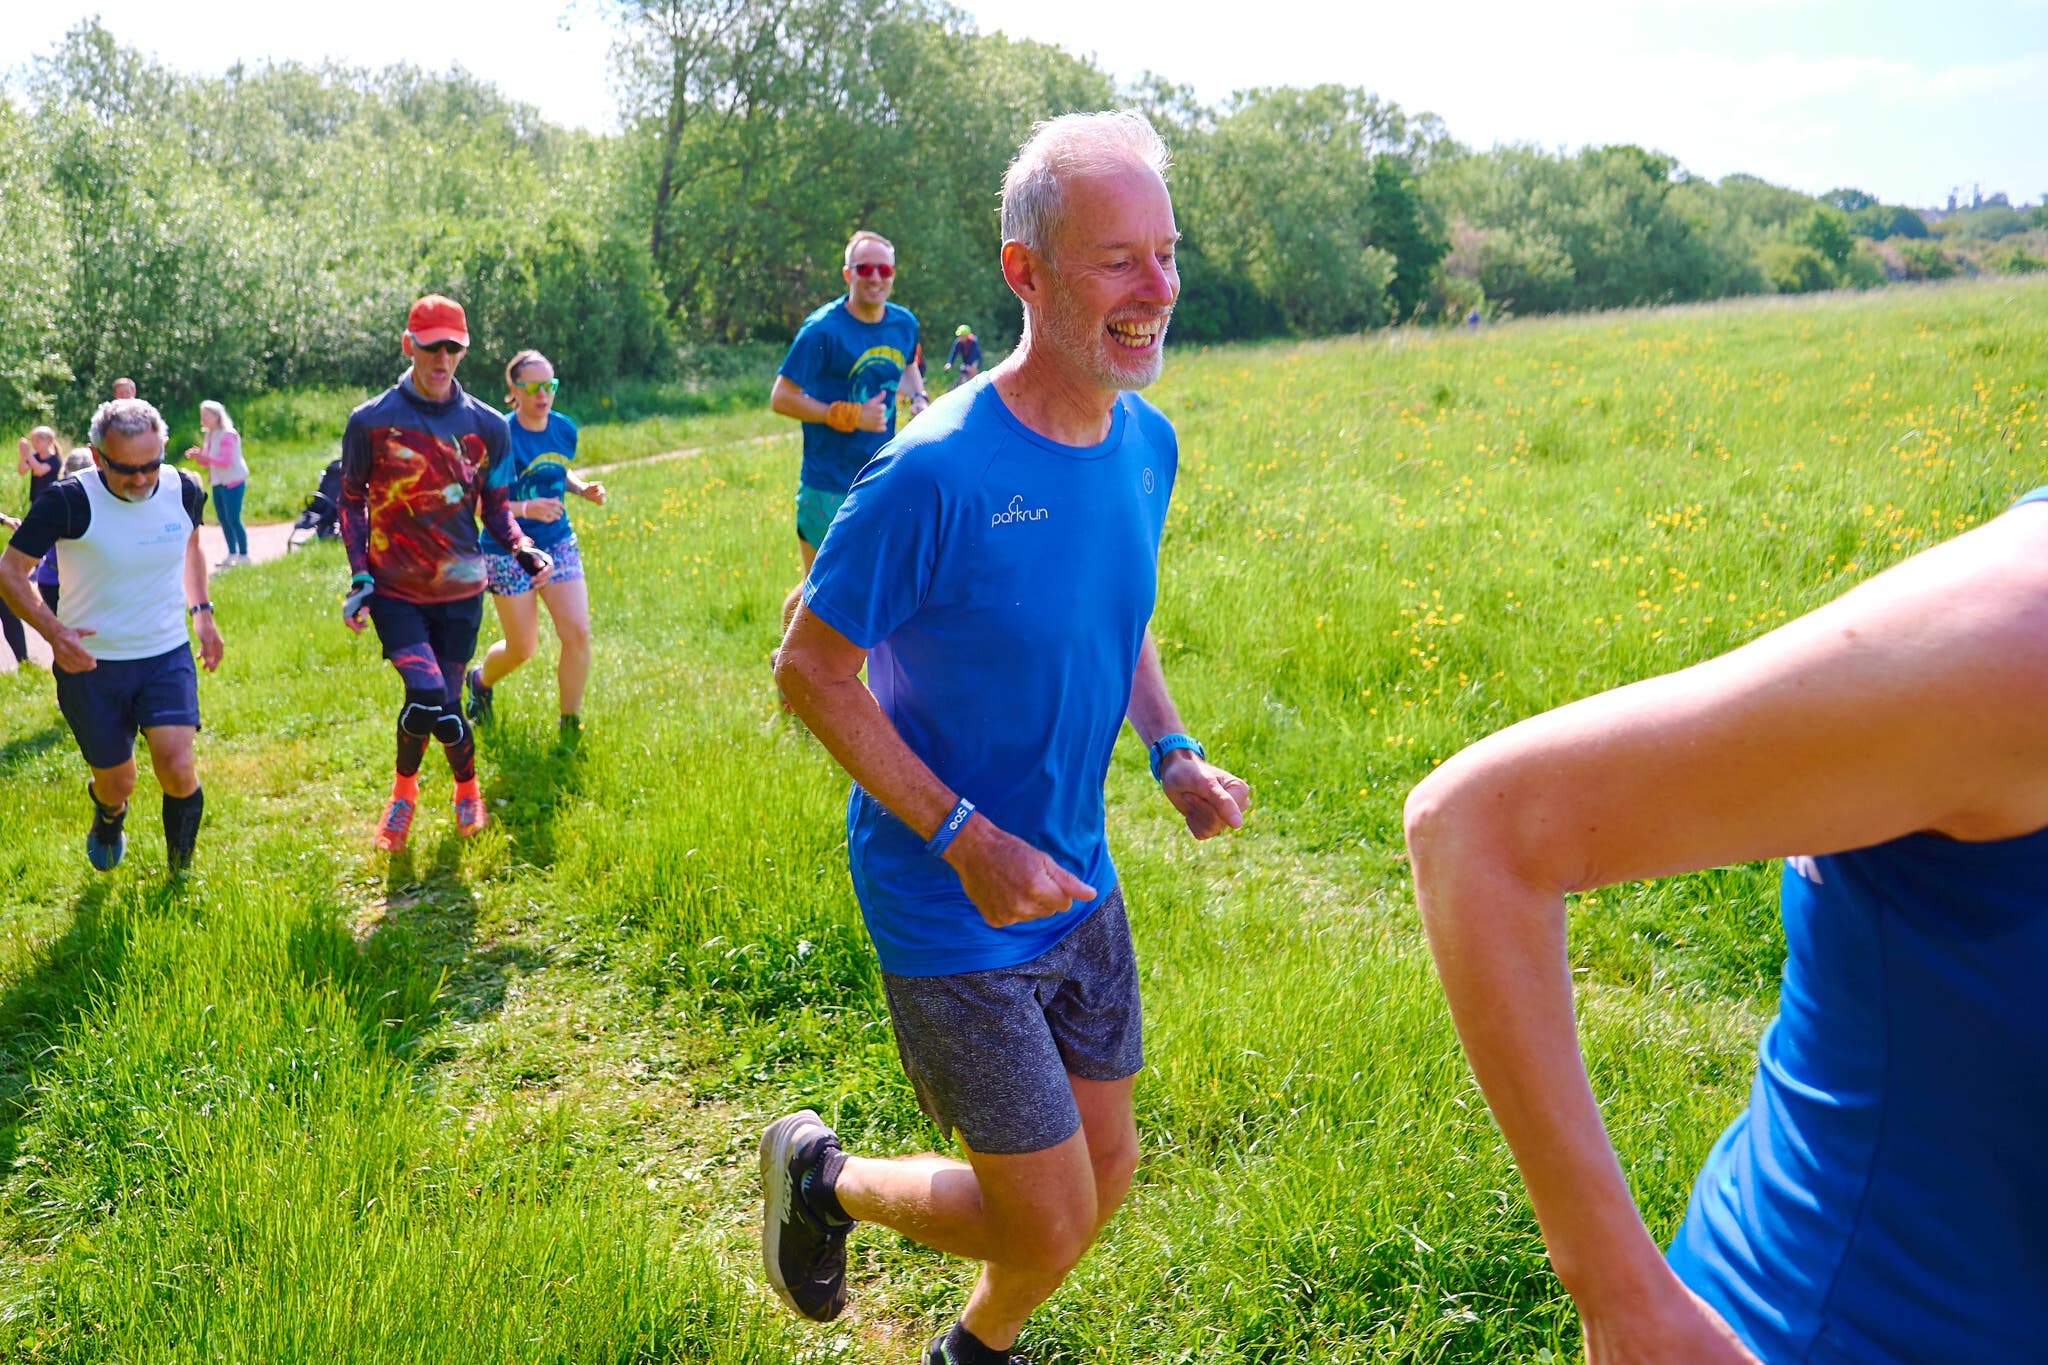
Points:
x=40, y=453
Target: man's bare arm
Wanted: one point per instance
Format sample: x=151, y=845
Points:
x=1919, y=701
x=210, y=649
x=67, y=646
x=1210, y=799
x=21, y=594
x=787, y=400
x=818, y=670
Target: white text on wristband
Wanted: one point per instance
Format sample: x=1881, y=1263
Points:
x=949, y=828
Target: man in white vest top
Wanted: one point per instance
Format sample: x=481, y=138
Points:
x=127, y=538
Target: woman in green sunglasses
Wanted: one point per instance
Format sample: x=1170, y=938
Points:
x=542, y=447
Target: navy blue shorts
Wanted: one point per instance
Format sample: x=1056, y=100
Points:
x=447, y=628
x=107, y=704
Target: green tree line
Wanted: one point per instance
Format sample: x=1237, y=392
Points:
x=221, y=236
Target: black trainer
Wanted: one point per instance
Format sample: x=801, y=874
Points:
x=478, y=708
x=805, y=1256
x=939, y=1355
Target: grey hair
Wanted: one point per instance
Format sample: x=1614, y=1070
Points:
x=129, y=417
x=1069, y=147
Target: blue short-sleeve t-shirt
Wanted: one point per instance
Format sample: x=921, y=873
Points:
x=838, y=358
x=540, y=463
x=1002, y=584
x=1882, y=1200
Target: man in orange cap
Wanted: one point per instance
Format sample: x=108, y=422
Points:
x=419, y=463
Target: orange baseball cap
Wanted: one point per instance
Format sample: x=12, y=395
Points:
x=438, y=318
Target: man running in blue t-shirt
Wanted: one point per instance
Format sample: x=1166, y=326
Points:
x=994, y=569
x=1882, y=1201
x=840, y=379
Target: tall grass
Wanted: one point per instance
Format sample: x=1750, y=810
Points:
x=497, y=1101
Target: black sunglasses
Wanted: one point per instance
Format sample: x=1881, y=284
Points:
x=132, y=469
x=444, y=347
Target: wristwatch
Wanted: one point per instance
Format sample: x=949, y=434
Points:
x=1166, y=744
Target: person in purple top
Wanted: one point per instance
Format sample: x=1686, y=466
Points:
x=1883, y=1199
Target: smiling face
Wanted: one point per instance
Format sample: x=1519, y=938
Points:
x=869, y=292
x=1113, y=281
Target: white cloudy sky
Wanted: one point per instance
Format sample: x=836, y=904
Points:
x=1905, y=100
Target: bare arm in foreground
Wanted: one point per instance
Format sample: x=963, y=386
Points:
x=1918, y=701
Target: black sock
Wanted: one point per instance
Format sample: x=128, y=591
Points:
x=181, y=824
x=820, y=1186
x=965, y=1348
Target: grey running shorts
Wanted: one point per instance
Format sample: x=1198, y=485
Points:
x=989, y=1052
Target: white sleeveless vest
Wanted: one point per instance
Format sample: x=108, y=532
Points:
x=124, y=578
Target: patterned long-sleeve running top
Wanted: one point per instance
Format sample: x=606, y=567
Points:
x=415, y=476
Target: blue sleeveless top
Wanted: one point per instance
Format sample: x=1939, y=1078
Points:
x=1884, y=1198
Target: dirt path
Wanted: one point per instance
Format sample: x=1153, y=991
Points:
x=268, y=541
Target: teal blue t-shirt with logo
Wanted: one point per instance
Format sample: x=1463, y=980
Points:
x=1002, y=584
x=838, y=358
x=540, y=469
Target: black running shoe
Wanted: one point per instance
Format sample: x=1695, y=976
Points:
x=939, y=1355
x=104, y=841
x=478, y=707
x=571, y=733
x=805, y=1256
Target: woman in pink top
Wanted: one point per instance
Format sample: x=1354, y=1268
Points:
x=220, y=450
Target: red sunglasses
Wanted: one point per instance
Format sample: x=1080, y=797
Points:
x=867, y=268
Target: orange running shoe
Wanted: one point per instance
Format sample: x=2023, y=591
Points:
x=395, y=826
x=470, y=815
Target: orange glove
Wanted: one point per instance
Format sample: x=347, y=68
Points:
x=843, y=416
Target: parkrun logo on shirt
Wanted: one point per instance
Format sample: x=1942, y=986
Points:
x=1016, y=511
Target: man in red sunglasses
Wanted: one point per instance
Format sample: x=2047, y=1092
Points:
x=840, y=379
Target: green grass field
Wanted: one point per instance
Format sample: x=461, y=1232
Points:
x=498, y=1102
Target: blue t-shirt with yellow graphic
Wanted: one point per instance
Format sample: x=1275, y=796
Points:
x=540, y=469
x=838, y=358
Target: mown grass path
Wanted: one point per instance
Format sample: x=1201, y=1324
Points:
x=497, y=1101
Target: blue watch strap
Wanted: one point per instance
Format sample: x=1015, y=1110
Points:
x=1166, y=744
x=949, y=828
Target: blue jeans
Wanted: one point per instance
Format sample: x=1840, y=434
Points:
x=227, y=505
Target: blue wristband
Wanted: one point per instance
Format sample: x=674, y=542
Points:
x=950, y=828
x=1166, y=744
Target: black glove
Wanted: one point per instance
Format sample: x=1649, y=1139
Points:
x=533, y=560
x=361, y=589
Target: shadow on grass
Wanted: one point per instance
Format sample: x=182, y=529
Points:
x=531, y=781
x=419, y=963
x=68, y=976
x=17, y=752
